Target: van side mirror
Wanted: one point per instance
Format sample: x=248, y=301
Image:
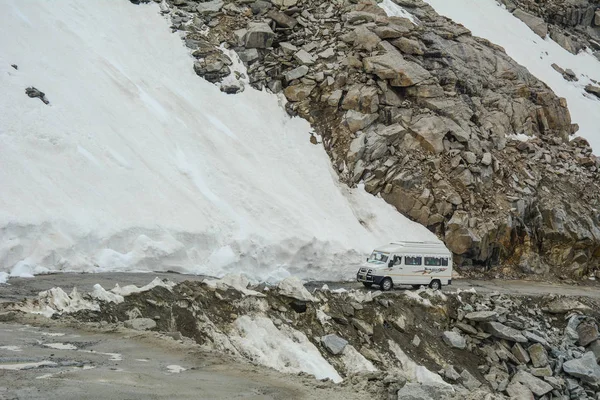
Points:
x=391, y=264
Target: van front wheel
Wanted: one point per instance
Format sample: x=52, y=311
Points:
x=435, y=284
x=386, y=284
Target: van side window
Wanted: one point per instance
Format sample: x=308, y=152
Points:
x=434, y=261
x=444, y=262
x=412, y=260
x=397, y=260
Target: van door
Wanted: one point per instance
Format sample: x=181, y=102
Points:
x=396, y=270
x=413, y=270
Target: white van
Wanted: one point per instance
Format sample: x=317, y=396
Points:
x=408, y=263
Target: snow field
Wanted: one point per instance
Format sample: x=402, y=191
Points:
x=137, y=164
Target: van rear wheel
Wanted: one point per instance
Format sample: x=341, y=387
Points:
x=386, y=284
x=435, y=284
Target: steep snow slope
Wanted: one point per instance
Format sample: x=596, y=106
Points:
x=489, y=20
x=138, y=164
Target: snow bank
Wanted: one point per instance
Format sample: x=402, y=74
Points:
x=99, y=293
x=138, y=164
x=3, y=277
x=489, y=20
x=130, y=289
x=286, y=350
x=56, y=301
x=233, y=281
x=414, y=372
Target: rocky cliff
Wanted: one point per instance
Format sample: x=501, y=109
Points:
x=574, y=24
x=441, y=124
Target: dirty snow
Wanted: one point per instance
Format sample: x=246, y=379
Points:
x=99, y=293
x=61, y=346
x=3, y=277
x=233, y=281
x=130, y=289
x=394, y=10
x=487, y=19
x=11, y=348
x=55, y=300
x=29, y=365
x=355, y=362
x=175, y=369
x=138, y=164
x=286, y=350
x=414, y=372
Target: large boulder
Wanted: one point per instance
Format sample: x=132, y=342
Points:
x=501, y=331
x=585, y=368
x=539, y=357
x=259, y=36
x=298, y=92
x=334, y=344
x=356, y=121
x=394, y=67
x=536, y=385
x=210, y=7
x=536, y=24
x=482, y=316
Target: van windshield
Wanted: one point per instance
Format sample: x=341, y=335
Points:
x=378, y=257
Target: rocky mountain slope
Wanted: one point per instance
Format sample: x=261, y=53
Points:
x=441, y=124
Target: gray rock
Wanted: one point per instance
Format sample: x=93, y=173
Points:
x=482, y=316
x=539, y=357
x=33, y=93
x=518, y=391
x=362, y=326
x=416, y=391
x=536, y=24
x=394, y=67
x=259, y=36
x=296, y=73
x=357, y=149
x=595, y=90
x=594, y=347
x=455, y=340
x=466, y=328
x=210, y=7
x=565, y=305
x=282, y=19
x=532, y=337
x=587, y=332
x=288, y=48
x=284, y=3
x=356, y=121
x=585, y=368
x=450, y=373
x=416, y=341
x=519, y=352
x=486, y=159
x=536, y=385
x=140, y=324
x=469, y=381
x=541, y=372
x=334, y=344
x=501, y=331
x=304, y=57
x=248, y=55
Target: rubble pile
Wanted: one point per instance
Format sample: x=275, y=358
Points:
x=419, y=343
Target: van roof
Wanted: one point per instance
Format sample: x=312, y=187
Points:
x=404, y=246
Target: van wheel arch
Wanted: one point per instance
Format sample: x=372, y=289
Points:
x=435, y=284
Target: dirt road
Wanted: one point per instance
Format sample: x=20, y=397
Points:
x=19, y=288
